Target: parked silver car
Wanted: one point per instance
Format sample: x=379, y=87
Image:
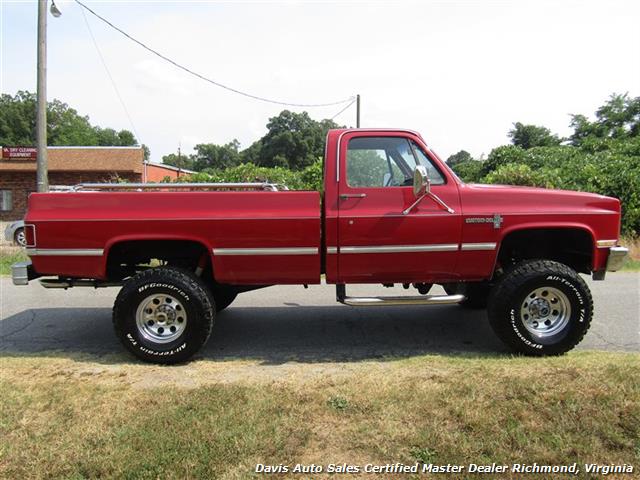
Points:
x=15, y=233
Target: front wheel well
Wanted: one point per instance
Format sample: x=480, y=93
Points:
x=570, y=246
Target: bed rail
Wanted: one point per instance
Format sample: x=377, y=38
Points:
x=92, y=187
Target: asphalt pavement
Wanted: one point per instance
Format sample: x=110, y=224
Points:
x=290, y=323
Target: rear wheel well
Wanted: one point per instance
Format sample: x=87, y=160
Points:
x=569, y=246
x=129, y=257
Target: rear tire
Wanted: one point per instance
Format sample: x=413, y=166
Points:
x=541, y=307
x=163, y=315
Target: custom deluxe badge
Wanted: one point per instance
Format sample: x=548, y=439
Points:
x=496, y=220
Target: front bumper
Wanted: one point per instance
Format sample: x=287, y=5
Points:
x=22, y=272
x=616, y=259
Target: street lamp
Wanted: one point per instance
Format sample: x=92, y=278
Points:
x=42, y=176
x=54, y=10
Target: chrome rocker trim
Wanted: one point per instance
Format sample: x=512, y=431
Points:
x=266, y=251
x=65, y=252
x=465, y=247
x=449, y=247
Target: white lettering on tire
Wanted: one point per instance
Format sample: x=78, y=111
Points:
x=173, y=351
x=526, y=341
x=146, y=286
x=574, y=289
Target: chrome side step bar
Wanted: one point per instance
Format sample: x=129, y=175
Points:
x=380, y=301
x=59, y=283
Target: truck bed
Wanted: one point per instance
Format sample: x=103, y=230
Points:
x=253, y=237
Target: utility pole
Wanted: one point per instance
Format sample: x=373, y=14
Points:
x=358, y=111
x=42, y=175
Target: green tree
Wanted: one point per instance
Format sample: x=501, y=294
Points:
x=618, y=118
x=126, y=138
x=65, y=126
x=517, y=174
x=18, y=119
x=469, y=171
x=501, y=156
x=180, y=161
x=294, y=140
x=209, y=155
x=461, y=156
x=529, y=136
x=252, y=153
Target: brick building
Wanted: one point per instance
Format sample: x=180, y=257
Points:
x=67, y=166
x=157, y=172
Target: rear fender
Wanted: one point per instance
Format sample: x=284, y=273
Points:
x=151, y=238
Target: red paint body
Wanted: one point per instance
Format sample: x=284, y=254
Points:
x=290, y=219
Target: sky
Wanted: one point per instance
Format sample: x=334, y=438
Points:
x=459, y=72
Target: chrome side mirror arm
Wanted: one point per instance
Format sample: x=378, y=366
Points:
x=434, y=197
x=422, y=188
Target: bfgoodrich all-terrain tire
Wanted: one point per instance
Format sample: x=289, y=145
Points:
x=164, y=315
x=540, y=307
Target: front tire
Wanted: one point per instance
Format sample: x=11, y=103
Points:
x=163, y=315
x=540, y=307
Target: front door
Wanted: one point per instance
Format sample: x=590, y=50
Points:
x=377, y=242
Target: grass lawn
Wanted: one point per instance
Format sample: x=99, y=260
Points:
x=97, y=417
x=9, y=256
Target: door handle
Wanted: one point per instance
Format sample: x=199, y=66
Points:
x=344, y=196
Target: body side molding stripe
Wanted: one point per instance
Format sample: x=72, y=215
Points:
x=448, y=247
x=65, y=252
x=266, y=251
x=478, y=246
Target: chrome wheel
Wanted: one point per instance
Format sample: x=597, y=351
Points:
x=161, y=318
x=545, y=311
x=20, y=238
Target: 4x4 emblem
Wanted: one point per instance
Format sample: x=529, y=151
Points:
x=496, y=220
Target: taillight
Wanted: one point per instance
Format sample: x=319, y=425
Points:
x=30, y=235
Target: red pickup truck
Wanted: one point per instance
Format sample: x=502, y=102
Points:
x=391, y=212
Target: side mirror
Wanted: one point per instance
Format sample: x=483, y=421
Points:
x=421, y=182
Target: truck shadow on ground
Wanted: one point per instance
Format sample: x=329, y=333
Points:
x=271, y=335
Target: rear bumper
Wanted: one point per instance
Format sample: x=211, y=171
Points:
x=616, y=259
x=22, y=272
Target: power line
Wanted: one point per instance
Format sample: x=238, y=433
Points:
x=352, y=102
x=113, y=83
x=206, y=79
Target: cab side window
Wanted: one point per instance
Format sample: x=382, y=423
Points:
x=379, y=162
x=386, y=162
x=434, y=174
